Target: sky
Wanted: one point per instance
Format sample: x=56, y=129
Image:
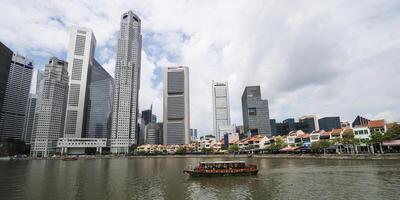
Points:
x=329, y=58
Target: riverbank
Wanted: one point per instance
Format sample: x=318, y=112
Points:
x=286, y=156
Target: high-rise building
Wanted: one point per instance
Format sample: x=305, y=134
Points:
x=311, y=121
x=17, y=92
x=5, y=63
x=29, y=116
x=152, y=133
x=80, y=57
x=255, y=112
x=127, y=84
x=221, y=110
x=329, y=123
x=50, y=112
x=176, y=105
x=148, y=116
x=193, y=134
x=99, y=103
x=161, y=135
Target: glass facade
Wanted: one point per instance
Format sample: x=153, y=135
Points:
x=99, y=103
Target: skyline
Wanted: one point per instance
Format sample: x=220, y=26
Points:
x=344, y=46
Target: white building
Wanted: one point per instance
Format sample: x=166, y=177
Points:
x=225, y=129
x=80, y=56
x=50, y=111
x=221, y=110
x=176, y=105
x=78, y=145
x=127, y=84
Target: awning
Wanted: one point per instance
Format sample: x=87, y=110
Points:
x=391, y=143
x=286, y=149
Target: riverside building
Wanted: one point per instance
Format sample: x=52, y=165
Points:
x=16, y=95
x=255, y=112
x=176, y=105
x=221, y=110
x=127, y=84
x=50, y=112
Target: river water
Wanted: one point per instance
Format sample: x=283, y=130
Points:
x=162, y=178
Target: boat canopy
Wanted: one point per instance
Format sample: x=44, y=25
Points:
x=223, y=162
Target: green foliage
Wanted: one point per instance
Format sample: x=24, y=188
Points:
x=393, y=133
x=376, y=137
x=233, y=148
x=206, y=151
x=320, y=145
x=181, y=151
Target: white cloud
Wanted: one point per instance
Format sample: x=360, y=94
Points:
x=329, y=58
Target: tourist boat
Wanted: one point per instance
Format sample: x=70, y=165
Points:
x=223, y=168
x=70, y=158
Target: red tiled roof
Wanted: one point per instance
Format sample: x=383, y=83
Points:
x=336, y=131
x=376, y=123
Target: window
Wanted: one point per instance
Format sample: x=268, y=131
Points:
x=252, y=111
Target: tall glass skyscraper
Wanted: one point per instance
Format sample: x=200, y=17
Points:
x=99, y=106
x=5, y=64
x=221, y=110
x=127, y=84
x=17, y=91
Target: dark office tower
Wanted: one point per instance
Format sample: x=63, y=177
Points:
x=329, y=123
x=255, y=112
x=161, y=136
x=152, y=133
x=16, y=96
x=360, y=121
x=148, y=117
x=99, y=104
x=310, y=122
x=29, y=116
x=5, y=63
x=272, y=122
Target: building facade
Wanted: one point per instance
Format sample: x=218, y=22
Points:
x=80, y=56
x=12, y=115
x=51, y=109
x=127, y=84
x=193, y=134
x=152, y=133
x=221, y=108
x=176, y=105
x=255, y=112
x=29, y=116
x=99, y=103
x=329, y=123
x=5, y=63
x=311, y=121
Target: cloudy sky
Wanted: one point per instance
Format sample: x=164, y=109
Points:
x=330, y=58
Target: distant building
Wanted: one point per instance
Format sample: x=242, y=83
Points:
x=221, y=110
x=141, y=130
x=12, y=114
x=345, y=124
x=5, y=64
x=152, y=133
x=50, y=113
x=288, y=125
x=148, y=116
x=272, y=122
x=360, y=121
x=311, y=121
x=226, y=129
x=255, y=112
x=193, y=134
x=329, y=123
x=29, y=116
x=176, y=105
x=127, y=84
x=161, y=135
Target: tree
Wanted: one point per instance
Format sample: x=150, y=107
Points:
x=233, y=148
x=320, y=145
x=181, y=151
x=377, y=138
x=393, y=133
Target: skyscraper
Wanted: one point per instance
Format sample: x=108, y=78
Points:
x=221, y=110
x=311, y=122
x=127, y=84
x=99, y=103
x=16, y=96
x=255, y=112
x=176, y=105
x=29, y=116
x=5, y=64
x=50, y=113
x=329, y=123
x=80, y=56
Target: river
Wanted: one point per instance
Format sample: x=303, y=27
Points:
x=162, y=178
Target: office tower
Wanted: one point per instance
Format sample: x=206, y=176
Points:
x=255, y=112
x=16, y=96
x=39, y=78
x=140, y=130
x=274, y=131
x=99, y=103
x=329, y=123
x=161, y=135
x=148, y=116
x=127, y=84
x=311, y=122
x=220, y=102
x=50, y=112
x=152, y=133
x=80, y=56
x=176, y=105
x=5, y=64
x=193, y=134
x=29, y=116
